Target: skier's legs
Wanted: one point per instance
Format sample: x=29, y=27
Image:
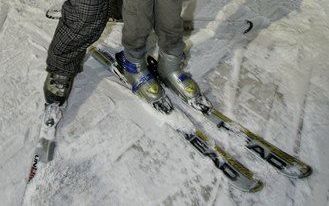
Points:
x=138, y=23
x=81, y=24
x=169, y=29
x=169, y=26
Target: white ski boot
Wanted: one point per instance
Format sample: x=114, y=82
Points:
x=142, y=82
x=170, y=71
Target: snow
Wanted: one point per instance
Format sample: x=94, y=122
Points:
x=113, y=149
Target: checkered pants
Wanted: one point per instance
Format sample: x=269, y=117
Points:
x=81, y=24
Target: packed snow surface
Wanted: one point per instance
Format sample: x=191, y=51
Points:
x=113, y=149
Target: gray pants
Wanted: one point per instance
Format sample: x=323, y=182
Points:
x=142, y=16
x=83, y=21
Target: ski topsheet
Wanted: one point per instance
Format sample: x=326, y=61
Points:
x=45, y=148
x=239, y=176
x=44, y=151
x=285, y=163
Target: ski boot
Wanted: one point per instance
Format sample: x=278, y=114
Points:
x=142, y=83
x=57, y=88
x=170, y=70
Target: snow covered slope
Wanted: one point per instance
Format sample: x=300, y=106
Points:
x=114, y=150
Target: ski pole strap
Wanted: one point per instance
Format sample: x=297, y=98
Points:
x=144, y=79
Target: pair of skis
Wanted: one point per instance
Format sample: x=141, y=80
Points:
x=239, y=175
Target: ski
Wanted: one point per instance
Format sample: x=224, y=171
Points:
x=44, y=151
x=239, y=176
x=282, y=161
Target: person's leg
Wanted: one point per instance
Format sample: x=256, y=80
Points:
x=169, y=26
x=188, y=14
x=169, y=29
x=138, y=23
x=81, y=24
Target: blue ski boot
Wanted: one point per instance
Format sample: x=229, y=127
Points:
x=142, y=82
x=170, y=70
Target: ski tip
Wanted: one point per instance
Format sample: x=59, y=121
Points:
x=257, y=187
x=307, y=171
x=297, y=171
